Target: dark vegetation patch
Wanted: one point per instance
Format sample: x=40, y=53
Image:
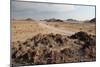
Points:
x=88, y=43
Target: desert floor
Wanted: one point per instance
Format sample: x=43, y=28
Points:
x=22, y=30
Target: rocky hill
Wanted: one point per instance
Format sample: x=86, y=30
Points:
x=93, y=20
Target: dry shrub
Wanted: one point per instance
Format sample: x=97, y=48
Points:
x=53, y=48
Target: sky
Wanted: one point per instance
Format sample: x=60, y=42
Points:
x=23, y=10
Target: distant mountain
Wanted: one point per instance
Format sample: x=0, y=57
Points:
x=28, y=19
x=72, y=20
x=93, y=20
x=53, y=20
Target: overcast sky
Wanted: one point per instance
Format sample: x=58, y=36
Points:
x=22, y=10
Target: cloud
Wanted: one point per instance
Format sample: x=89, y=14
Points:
x=34, y=10
x=40, y=7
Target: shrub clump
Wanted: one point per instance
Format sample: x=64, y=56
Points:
x=54, y=48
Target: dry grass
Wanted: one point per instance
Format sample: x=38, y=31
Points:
x=21, y=30
x=86, y=27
